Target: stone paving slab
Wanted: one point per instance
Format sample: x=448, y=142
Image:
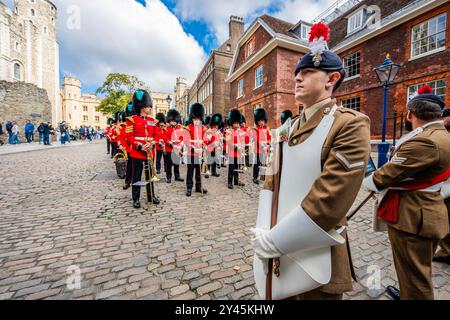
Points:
x=64, y=214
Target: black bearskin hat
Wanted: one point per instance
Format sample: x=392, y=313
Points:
x=261, y=114
x=141, y=99
x=217, y=120
x=173, y=115
x=234, y=116
x=285, y=115
x=117, y=116
x=129, y=110
x=243, y=120
x=160, y=117
x=110, y=121
x=207, y=120
x=197, y=111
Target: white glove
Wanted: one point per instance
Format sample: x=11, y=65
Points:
x=445, y=191
x=369, y=185
x=264, y=247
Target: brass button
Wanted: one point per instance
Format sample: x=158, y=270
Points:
x=326, y=111
x=294, y=141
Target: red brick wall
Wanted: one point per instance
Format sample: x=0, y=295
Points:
x=396, y=42
x=261, y=38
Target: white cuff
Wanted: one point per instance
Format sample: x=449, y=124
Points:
x=369, y=184
x=297, y=231
x=445, y=191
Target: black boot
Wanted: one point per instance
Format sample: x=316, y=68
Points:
x=256, y=181
x=156, y=200
x=215, y=174
x=188, y=193
x=230, y=186
x=126, y=186
x=393, y=292
x=136, y=204
x=179, y=179
x=443, y=259
x=240, y=184
x=168, y=180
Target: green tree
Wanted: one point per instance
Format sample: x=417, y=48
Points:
x=117, y=90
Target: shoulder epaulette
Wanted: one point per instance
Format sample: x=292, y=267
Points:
x=130, y=118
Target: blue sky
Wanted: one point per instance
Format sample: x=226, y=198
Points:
x=156, y=40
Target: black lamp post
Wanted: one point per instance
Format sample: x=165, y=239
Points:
x=386, y=73
x=169, y=100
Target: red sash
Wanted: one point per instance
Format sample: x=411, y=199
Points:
x=388, y=209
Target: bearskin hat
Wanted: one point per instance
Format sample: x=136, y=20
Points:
x=261, y=114
x=208, y=120
x=117, y=116
x=173, y=115
x=217, y=120
x=234, y=116
x=141, y=99
x=160, y=117
x=243, y=120
x=110, y=121
x=129, y=110
x=285, y=115
x=197, y=111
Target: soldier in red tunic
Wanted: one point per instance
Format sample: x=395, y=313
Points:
x=160, y=125
x=235, y=146
x=262, y=138
x=129, y=112
x=114, y=134
x=195, y=149
x=142, y=137
x=215, y=148
x=108, y=135
x=173, y=137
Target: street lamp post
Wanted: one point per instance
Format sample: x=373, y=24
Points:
x=169, y=100
x=386, y=73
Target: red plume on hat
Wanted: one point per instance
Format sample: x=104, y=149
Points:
x=318, y=37
x=425, y=90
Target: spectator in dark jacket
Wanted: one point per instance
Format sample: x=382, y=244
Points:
x=29, y=131
x=41, y=132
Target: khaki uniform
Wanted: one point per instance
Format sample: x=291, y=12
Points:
x=444, y=244
x=422, y=216
x=345, y=155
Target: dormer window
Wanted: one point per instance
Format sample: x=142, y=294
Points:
x=355, y=21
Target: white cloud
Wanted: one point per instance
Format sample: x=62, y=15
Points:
x=216, y=13
x=123, y=36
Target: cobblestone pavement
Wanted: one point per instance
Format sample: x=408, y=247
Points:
x=65, y=208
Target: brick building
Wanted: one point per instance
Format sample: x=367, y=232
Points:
x=415, y=33
x=262, y=71
x=210, y=87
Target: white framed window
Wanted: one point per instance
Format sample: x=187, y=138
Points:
x=439, y=87
x=305, y=30
x=85, y=118
x=352, y=103
x=250, y=48
x=428, y=36
x=259, y=77
x=352, y=65
x=240, y=92
x=355, y=21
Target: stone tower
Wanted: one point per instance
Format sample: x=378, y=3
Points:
x=71, y=95
x=29, y=51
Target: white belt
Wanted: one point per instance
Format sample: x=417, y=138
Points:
x=434, y=188
x=143, y=139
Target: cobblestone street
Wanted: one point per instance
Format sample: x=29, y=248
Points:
x=65, y=207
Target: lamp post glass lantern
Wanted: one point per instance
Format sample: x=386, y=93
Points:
x=386, y=74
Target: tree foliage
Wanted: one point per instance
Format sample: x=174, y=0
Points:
x=117, y=90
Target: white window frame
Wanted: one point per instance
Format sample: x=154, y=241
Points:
x=432, y=84
x=19, y=69
x=344, y=63
x=240, y=90
x=424, y=54
x=356, y=19
x=250, y=48
x=259, y=77
x=304, y=31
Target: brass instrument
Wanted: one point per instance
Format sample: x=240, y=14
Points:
x=149, y=167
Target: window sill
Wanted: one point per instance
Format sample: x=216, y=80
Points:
x=427, y=54
x=353, y=77
x=257, y=87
